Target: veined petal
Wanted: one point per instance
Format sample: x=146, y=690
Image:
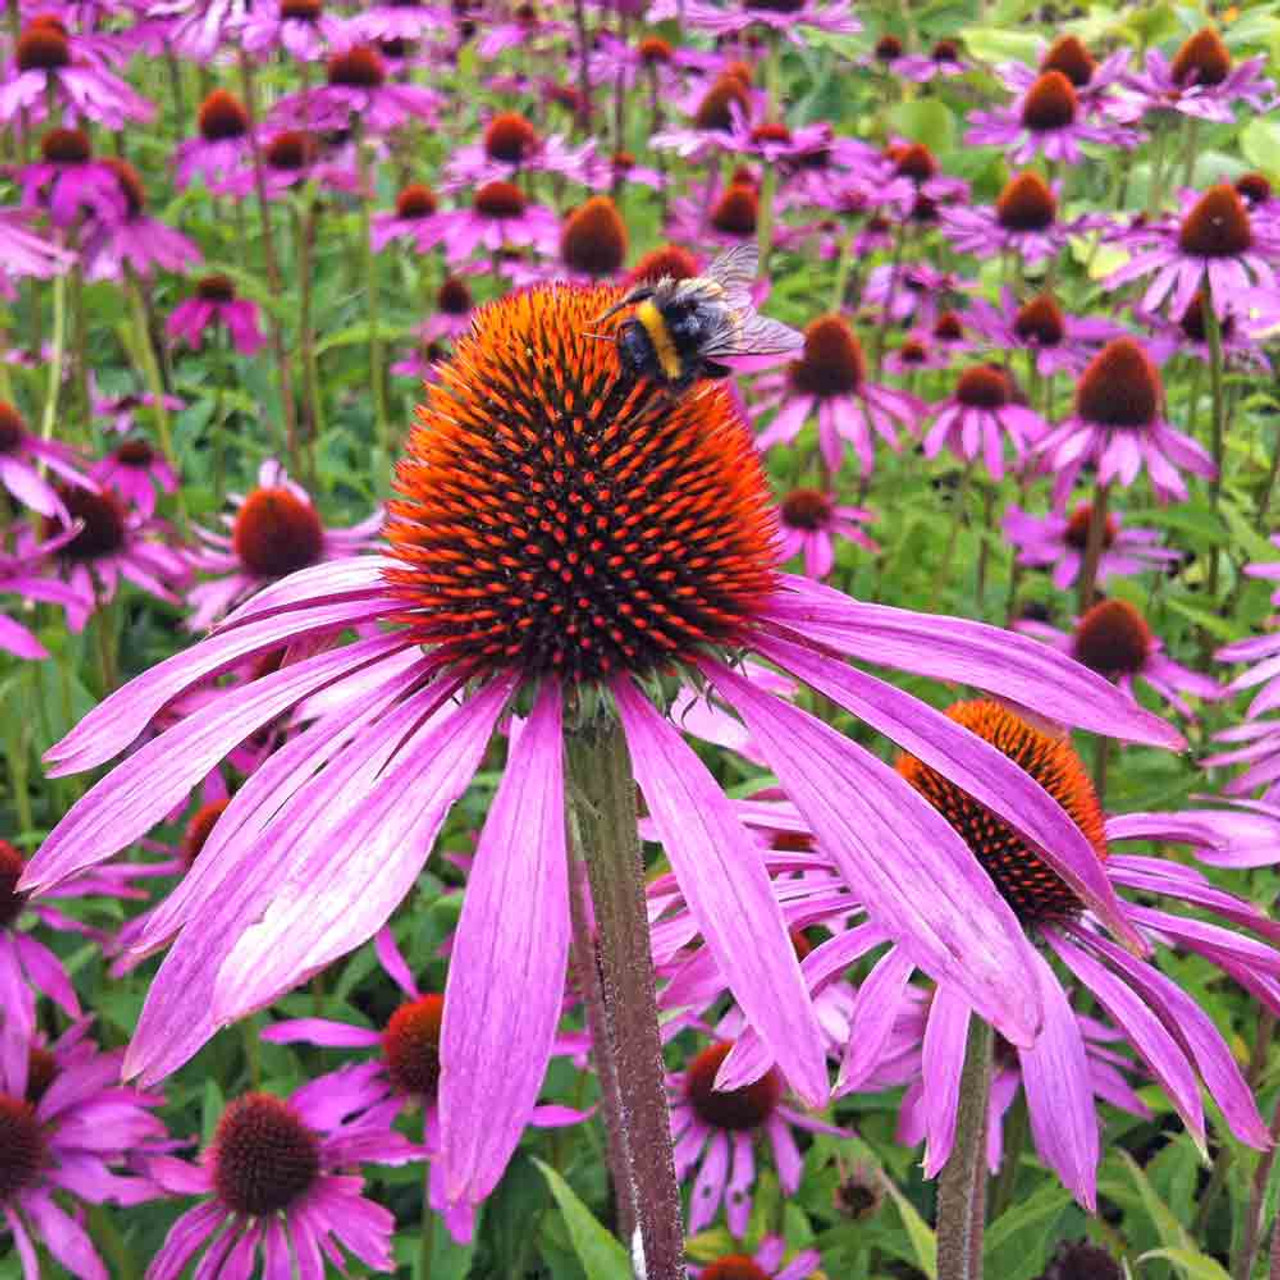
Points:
x=942, y=1060
x=944, y=648
x=919, y=880
x=505, y=989
x=875, y=1009
x=722, y=876
x=972, y=764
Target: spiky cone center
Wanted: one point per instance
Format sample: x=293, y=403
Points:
x=1034, y=891
x=913, y=351
x=22, y=1146
x=669, y=260
x=916, y=162
x=103, y=524
x=1217, y=226
x=1077, y=531
x=832, y=363
x=301, y=10
x=623, y=162
x=1254, y=189
x=1120, y=387
x=1113, y=639
x=948, y=327
x=499, y=200
x=42, y=1071
x=560, y=516
x=11, y=901
x=66, y=146
x=135, y=452
x=733, y=1109
x=593, y=239
x=1068, y=55
x=984, y=387
x=291, y=151
x=1027, y=203
x=216, y=289
x=135, y=194
x=888, y=49
x=1040, y=321
x=43, y=47
x=276, y=532
x=734, y=1266
x=1192, y=320
x=714, y=111
x=1050, y=103
x=264, y=1157
x=806, y=509
x=13, y=427
x=416, y=201
x=411, y=1046
x=1202, y=59
x=198, y=830
x=945, y=51
x=510, y=138
x=358, y=68
x=737, y=210
x=222, y=116
x=771, y=131
x=454, y=297
x=655, y=51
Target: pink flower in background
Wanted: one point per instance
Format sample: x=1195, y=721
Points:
x=25, y=253
x=224, y=143
x=21, y=575
x=810, y=522
x=511, y=147
x=302, y=28
x=23, y=456
x=977, y=417
x=216, y=306
x=412, y=219
x=136, y=240
x=1201, y=80
x=134, y=470
x=1056, y=340
x=69, y=181
x=280, y=1177
x=500, y=216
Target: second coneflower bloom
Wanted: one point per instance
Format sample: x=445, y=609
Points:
x=565, y=538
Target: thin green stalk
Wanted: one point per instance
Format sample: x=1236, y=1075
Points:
x=54, y=386
x=1213, y=335
x=427, y=1237
x=1017, y=1129
x=843, y=264
x=1251, y=1236
x=604, y=827
x=1191, y=153
x=1095, y=543
x=962, y=1184
x=960, y=503
x=382, y=418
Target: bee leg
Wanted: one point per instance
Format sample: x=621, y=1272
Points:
x=713, y=369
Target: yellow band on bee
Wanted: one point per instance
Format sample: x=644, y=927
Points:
x=656, y=327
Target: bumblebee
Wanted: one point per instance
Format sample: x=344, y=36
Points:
x=683, y=330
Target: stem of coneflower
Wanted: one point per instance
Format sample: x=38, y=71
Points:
x=886, y=319
x=381, y=417
x=584, y=64
x=1094, y=543
x=656, y=121
x=1268, y=489
x=604, y=827
x=55, y=361
x=1193, y=142
x=1213, y=335
x=843, y=263
x=962, y=1184
x=960, y=501
x=306, y=336
x=1251, y=1238
x=1101, y=759
x=1016, y=1129
x=278, y=347
x=984, y=545
x=427, y=1236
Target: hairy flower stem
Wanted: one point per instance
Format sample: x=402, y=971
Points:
x=604, y=811
x=1095, y=543
x=962, y=1185
x=1251, y=1236
x=278, y=347
x=1213, y=335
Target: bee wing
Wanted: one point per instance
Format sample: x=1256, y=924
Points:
x=750, y=334
x=734, y=271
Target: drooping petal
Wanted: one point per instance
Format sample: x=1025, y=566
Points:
x=505, y=988
x=723, y=879
x=919, y=880
x=945, y=1038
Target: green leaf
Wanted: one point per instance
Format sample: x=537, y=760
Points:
x=923, y=1242
x=602, y=1257
x=1009, y=1248
x=926, y=120
x=1167, y=1226
x=1260, y=143
x=1190, y=1262
x=992, y=44
x=1213, y=623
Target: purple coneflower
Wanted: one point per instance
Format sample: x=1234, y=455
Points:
x=1115, y=640
x=134, y=240
x=122, y=411
x=830, y=381
x=713, y=112
x=915, y=291
x=716, y=1130
x=20, y=576
x=134, y=469
x=916, y=352
x=1201, y=81
x=1118, y=425
x=731, y=218
x=215, y=306
x=24, y=253
x=223, y=145
x=455, y=307
x=500, y=216
x=410, y=220
x=525, y=27
x=1024, y=220
x=1186, y=334
x=68, y=181
x=509, y=147
x=1055, y=340
x=1045, y=119
x=944, y=60
x=408, y=1069
x=194, y=29
x=274, y=531
x=1214, y=243
x=301, y=28
x=278, y=1177
x=767, y=1263
x=1095, y=83
x=810, y=521
x=1061, y=541
x=785, y=17
x=908, y=173
x=70, y=1129
x=495, y=590
x=24, y=456
x=294, y=157
x=46, y=71
x=978, y=415
x=357, y=89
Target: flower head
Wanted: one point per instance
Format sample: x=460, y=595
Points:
x=70, y=181
x=810, y=522
x=977, y=416
x=23, y=458
x=216, y=306
x=133, y=470
x=1201, y=80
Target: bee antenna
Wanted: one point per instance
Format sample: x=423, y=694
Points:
x=602, y=337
